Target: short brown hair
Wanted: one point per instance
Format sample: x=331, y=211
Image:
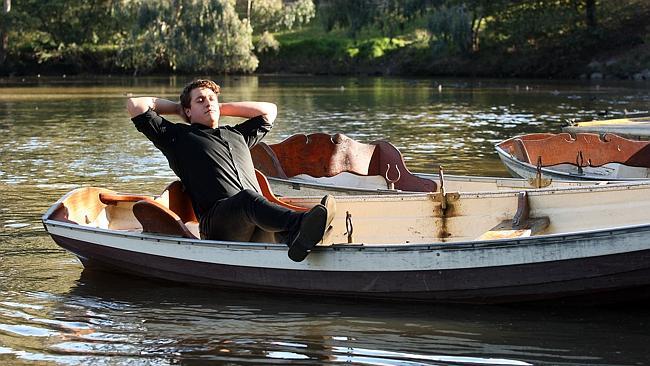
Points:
x=199, y=83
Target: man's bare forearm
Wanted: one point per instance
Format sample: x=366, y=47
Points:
x=249, y=110
x=139, y=105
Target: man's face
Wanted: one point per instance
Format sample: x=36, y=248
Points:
x=204, y=107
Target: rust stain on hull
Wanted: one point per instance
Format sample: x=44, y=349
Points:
x=445, y=210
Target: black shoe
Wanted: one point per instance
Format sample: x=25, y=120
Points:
x=330, y=204
x=311, y=230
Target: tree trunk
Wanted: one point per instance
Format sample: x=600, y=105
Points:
x=475, y=40
x=4, y=31
x=590, y=11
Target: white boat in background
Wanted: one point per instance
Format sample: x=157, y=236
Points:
x=636, y=128
x=581, y=243
x=320, y=163
x=584, y=156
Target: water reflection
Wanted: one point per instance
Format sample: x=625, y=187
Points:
x=57, y=135
x=105, y=318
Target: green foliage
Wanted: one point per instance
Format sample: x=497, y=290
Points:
x=276, y=15
x=527, y=25
x=266, y=14
x=389, y=16
x=451, y=30
x=299, y=12
x=318, y=48
x=50, y=26
x=488, y=37
x=267, y=43
x=180, y=35
x=378, y=47
x=188, y=36
x=65, y=22
x=310, y=43
x=352, y=15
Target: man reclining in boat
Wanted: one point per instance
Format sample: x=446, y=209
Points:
x=214, y=164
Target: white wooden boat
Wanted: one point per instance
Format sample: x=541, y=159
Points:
x=584, y=156
x=581, y=243
x=320, y=163
x=636, y=128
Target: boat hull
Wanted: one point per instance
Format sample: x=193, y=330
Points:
x=598, y=265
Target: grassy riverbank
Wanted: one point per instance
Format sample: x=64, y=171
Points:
x=619, y=50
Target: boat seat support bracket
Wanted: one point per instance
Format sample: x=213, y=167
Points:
x=522, y=220
x=521, y=225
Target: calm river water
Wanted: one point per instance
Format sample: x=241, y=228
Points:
x=58, y=134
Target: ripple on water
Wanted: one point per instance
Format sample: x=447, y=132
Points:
x=286, y=355
x=16, y=225
x=378, y=357
x=97, y=348
x=27, y=330
x=12, y=315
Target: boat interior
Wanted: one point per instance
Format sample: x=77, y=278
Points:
x=359, y=220
x=381, y=220
x=608, y=155
x=340, y=160
x=170, y=213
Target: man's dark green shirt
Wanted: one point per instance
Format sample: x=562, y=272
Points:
x=212, y=163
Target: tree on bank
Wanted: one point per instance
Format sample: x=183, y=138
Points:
x=276, y=15
x=390, y=16
x=269, y=16
x=187, y=36
x=138, y=36
x=4, y=27
x=483, y=37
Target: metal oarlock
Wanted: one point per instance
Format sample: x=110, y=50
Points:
x=443, y=194
x=348, y=226
x=391, y=182
x=538, y=181
x=580, y=162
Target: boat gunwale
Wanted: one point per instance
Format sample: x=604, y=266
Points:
x=296, y=182
x=640, y=118
x=333, y=187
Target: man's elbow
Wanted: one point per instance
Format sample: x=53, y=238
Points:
x=137, y=106
x=132, y=107
x=271, y=112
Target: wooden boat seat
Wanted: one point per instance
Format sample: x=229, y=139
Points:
x=268, y=193
x=324, y=155
x=520, y=226
x=171, y=213
x=156, y=218
x=586, y=149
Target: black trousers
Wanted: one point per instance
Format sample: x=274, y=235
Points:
x=248, y=216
